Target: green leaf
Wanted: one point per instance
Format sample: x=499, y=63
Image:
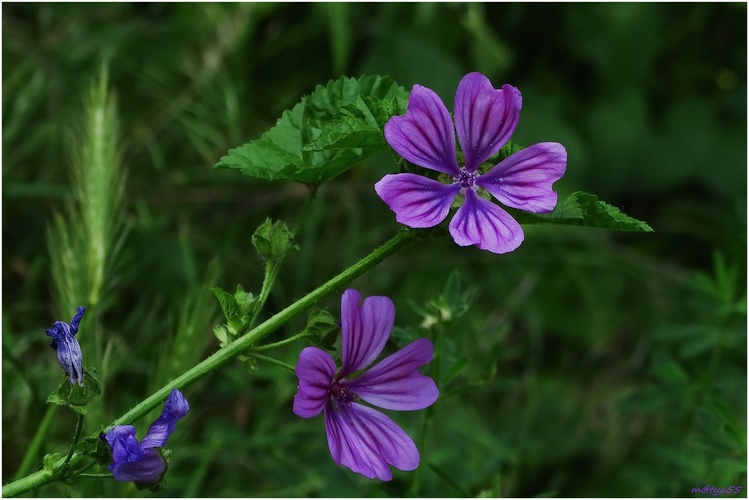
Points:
x=583, y=209
x=96, y=449
x=74, y=396
x=322, y=329
x=236, y=309
x=221, y=332
x=279, y=154
x=326, y=101
x=273, y=240
x=360, y=125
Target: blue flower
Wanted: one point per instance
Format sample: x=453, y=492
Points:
x=67, y=347
x=142, y=462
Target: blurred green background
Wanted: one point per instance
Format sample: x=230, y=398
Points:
x=593, y=363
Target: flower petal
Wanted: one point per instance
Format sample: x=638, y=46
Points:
x=68, y=351
x=147, y=470
x=364, y=330
x=315, y=370
x=58, y=330
x=417, y=200
x=485, y=117
x=424, y=135
x=124, y=445
x=395, y=382
x=482, y=223
x=366, y=441
x=524, y=179
x=175, y=408
x=79, y=311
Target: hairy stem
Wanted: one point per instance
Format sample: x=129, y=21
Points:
x=280, y=342
x=272, y=268
x=228, y=353
x=272, y=360
x=76, y=437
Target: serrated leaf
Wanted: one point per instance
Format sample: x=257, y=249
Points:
x=279, y=153
x=326, y=101
x=360, y=125
x=74, y=396
x=584, y=209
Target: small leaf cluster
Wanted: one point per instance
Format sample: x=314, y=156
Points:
x=452, y=303
x=238, y=309
x=74, y=396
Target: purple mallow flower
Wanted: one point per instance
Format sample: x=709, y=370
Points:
x=359, y=437
x=67, y=347
x=485, y=118
x=142, y=462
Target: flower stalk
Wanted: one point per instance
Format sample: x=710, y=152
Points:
x=228, y=353
x=76, y=438
x=272, y=360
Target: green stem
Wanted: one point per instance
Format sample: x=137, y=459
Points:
x=33, y=450
x=229, y=352
x=272, y=360
x=76, y=437
x=280, y=342
x=273, y=268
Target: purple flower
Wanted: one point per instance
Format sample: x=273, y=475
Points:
x=359, y=437
x=142, y=462
x=67, y=347
x=485, y=118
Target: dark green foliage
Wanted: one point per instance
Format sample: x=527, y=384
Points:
x=589, y=364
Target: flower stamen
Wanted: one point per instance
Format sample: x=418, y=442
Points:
x=465, y=178
x=343, y=394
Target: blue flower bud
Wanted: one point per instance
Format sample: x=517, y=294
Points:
x=67, y=347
